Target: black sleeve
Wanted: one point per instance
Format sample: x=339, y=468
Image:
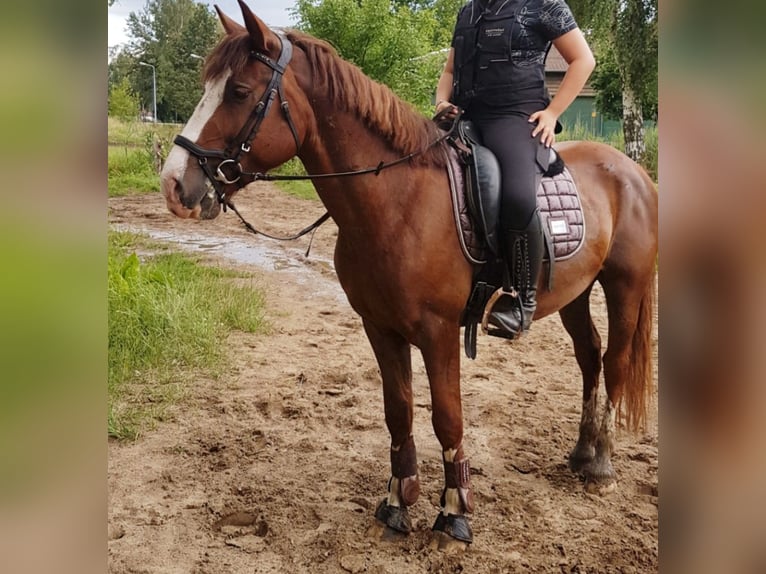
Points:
x=556, y=19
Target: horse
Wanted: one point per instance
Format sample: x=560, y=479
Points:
x=272, y=96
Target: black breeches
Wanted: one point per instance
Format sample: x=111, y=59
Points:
x=510, y=139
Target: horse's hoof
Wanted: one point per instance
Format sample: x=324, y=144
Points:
x=380, y=531
x=445, y=543
x=455, y=526
x=394, y=517
x=578, y=465
x=580, y=458
x=600, y=477
x=600, y=487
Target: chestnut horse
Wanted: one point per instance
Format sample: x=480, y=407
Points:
x=269, y=97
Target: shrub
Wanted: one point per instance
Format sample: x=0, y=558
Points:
x=123, y=103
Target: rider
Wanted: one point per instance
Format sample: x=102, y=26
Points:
x=496, y=72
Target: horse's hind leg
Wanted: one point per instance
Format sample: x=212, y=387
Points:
x=394, y=359
x=626, y=372
x=587, y=344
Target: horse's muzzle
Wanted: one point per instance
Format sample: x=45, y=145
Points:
x=171, y=189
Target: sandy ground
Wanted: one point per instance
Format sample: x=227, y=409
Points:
x=277, y=467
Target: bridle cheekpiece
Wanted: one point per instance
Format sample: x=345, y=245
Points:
x=229, y=170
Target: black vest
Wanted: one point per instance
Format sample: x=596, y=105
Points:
x=499, y=56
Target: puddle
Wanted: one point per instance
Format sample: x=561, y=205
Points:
x=257, y=252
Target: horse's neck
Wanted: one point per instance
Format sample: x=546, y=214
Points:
x=343, y=143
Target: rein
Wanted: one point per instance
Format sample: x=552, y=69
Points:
x=229, y=170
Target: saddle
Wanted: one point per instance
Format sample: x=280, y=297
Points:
x=474, y=174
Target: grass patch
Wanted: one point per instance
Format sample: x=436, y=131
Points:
x=168, y=320
x=131, y=171
x=581, y=131
x=135, y=133
x=135, y=149
x=302, y=188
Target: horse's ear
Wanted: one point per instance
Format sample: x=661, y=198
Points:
x=262, y=37
x=229, y=25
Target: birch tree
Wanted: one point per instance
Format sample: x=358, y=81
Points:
x=625, y=30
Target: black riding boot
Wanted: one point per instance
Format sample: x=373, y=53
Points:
x=512, y=315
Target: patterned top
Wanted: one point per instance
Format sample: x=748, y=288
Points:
x=500, y=49
x=550, y=19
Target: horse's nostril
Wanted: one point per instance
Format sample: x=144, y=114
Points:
x=172, y=189
x=177, y=187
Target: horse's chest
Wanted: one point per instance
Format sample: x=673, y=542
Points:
x=369, y=276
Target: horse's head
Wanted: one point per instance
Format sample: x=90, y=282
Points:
x=242, y=124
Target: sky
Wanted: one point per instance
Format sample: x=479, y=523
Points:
x=273, y=12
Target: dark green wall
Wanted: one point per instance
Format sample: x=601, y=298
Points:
x=582, y=116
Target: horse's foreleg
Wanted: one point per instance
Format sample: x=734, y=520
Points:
x=394, y=359
x=587, y=345
x=441, y=354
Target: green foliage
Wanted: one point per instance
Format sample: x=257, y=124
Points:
x=168, y=321
x=165, y=33
x=652, y=152
x=581, y=131
x=136, y=151
x=400, y=44
x=623, y=36
x=135, y=133
x=123, y=103
x=131, y=171
x=627, y=55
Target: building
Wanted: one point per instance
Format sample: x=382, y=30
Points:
x=582, y=115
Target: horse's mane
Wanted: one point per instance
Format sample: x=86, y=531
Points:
x=347, y=87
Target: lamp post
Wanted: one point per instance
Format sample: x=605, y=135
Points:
x=154, y=90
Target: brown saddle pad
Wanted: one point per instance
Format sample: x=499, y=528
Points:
x=560, y=210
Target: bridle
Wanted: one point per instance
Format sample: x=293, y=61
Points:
x=229, y=170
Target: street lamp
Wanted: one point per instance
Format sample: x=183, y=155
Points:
x=154, y=89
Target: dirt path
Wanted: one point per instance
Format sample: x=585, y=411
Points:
x=278, y=466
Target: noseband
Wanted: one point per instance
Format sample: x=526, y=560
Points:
x=229, y=170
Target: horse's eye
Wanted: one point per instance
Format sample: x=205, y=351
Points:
x=241, y=93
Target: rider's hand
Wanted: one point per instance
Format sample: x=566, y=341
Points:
x=449, y=110
x=546, y=126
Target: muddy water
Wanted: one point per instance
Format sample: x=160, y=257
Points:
x=259, y=252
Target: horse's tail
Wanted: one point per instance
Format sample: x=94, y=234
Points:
x=639, y=386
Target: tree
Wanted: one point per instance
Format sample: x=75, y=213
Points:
x=165, y=34
x=607, y=82
x=398, y=43
x=123, y=103
x=624, y=32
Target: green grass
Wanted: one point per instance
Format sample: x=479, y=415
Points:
x=131, y=171
x=581, y=131
x=131, y=158
x=168, y=321
x=302, y=188
x=135, y=133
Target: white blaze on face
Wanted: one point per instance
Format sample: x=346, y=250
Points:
x=178, y=157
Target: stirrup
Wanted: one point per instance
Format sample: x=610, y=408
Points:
x=485, y=326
